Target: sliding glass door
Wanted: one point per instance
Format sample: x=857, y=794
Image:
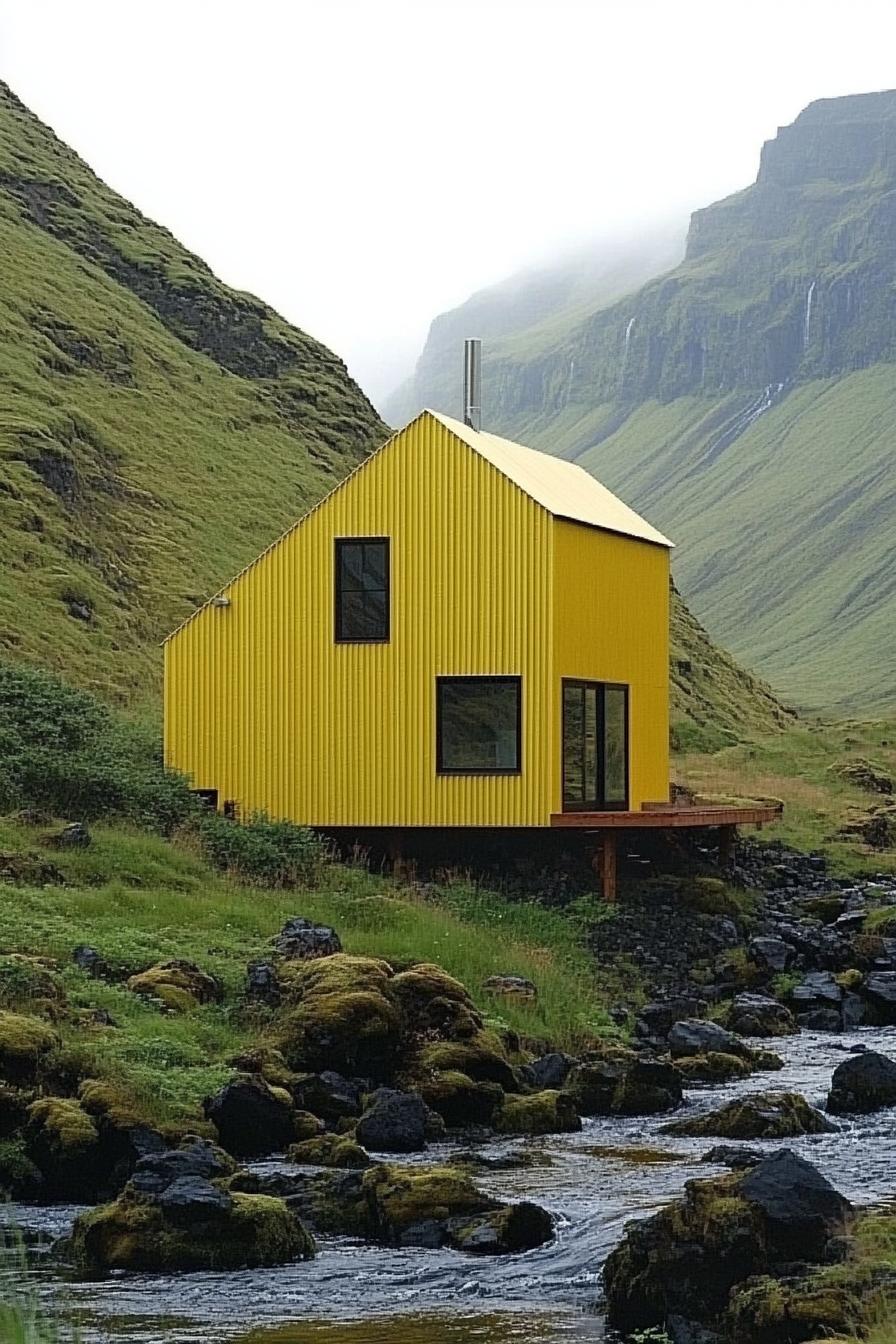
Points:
x=595, y=746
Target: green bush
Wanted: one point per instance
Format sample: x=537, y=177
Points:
x=63, y=751
x=268, y=853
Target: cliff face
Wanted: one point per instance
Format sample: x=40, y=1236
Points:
x=156, y=427
x=742, y=401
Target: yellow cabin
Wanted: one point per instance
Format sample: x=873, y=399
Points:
x=464, y=633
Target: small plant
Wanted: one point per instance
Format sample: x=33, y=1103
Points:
x=261, y=851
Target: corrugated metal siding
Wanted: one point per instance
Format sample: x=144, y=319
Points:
x=262, y=705
x=611, y=623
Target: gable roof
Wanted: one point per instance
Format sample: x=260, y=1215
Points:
x=563, y=488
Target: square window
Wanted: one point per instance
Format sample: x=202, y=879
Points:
x=478, y=725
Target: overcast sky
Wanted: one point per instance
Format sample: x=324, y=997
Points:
x=364, y=164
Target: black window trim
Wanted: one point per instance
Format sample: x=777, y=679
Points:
x=602, y=805
x=339, y=542
x=514, y=680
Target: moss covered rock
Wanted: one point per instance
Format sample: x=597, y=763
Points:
x=459, y=1100
x=432, y=1000
x=329, y=1150
x=136, y=1232
x=624, y=1084
x=19, y=1177
x=399, y=1199
x=481, y=1058
x=789, y=1311
x=25, y=1042
x=685, y=1260
x=251, y=1117
x=518, y=1227
x=762, y=1115
x=306, y=1126
x=179, y=985
x=713, y=1067
x=63, y=1142
x=344, y=1017
x=546, y=1112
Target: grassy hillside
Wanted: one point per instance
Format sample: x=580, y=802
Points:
x=156, y=428
x=744, y=401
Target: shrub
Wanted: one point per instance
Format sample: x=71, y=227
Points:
x=64, y=751
x=268, y=853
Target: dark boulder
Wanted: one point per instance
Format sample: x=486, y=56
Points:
x=818, y=989
x=551, y=1071
x=800, y=1208
x=396, y=1122
x=821, y=1019
x=196, y=1159
x=863, y=1083
x=760, y=1115
x=519, y=1227
x=732, y=1155
x=655, y=1020
x=302, y=940
x=880, y=990
x=772, y=954
x=330, y=1095
x=647, y=1087
x=261, y=982
x=74, y=836
x=193, y=1199
x=685, y=1261
x=693, y=1037
x=251, y=1117
x=760, y=1015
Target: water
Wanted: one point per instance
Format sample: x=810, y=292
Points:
x=808, y=318
x=594, y=1182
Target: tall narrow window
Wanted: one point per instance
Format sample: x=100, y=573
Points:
x=362, y=590
x=595, y=746
x=478, y=725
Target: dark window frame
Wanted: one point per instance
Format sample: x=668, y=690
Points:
x=598, y=804
x=339, y=544
x=512, y=680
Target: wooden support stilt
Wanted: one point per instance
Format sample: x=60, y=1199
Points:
x=604, y=864
x=727, y=838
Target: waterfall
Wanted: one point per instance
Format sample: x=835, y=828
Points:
x=628, y=336
x=808, y=317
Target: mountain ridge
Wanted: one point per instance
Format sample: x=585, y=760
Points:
x=693, y=398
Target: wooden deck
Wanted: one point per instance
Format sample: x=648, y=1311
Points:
x=663, y=816
x=669, y=816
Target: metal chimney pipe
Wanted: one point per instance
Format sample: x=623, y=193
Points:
x=473, y=383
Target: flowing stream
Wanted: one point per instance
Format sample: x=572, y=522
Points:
x=593, y=1182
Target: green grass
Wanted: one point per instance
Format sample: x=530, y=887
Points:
x=802, y=767
x=157, y=429
x=139, y=899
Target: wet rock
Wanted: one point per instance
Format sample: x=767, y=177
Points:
x=519, y=1227
x=193, y=1230
x=191, y=1199
x=329, y=1095
x=197, y=1158
x=647, y=1087
x=772, y=954
x=459, y=1100
x=818, y=989
x=547, y=1112
x=880, y=990
x=713, y=1067
x=853, y=1011
x=694, y=1037
x=775, y=1310
x=686, y=1260
x=863, y=1083
x=510, y=987
x=760, y=1015
x=656, y=1020
x=551, y=1071
x=303, y=940
x=329, y=1150
x=732, y=1155
x=760, y=1115
x=251, y=1117
x=821, y=1019
x=394, y=1123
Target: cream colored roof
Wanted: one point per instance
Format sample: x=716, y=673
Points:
x=564, y=489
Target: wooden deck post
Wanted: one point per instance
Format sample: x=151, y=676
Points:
x=604, y=864
x=727, y=838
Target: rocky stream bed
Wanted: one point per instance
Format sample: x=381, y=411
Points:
x=808, y=953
